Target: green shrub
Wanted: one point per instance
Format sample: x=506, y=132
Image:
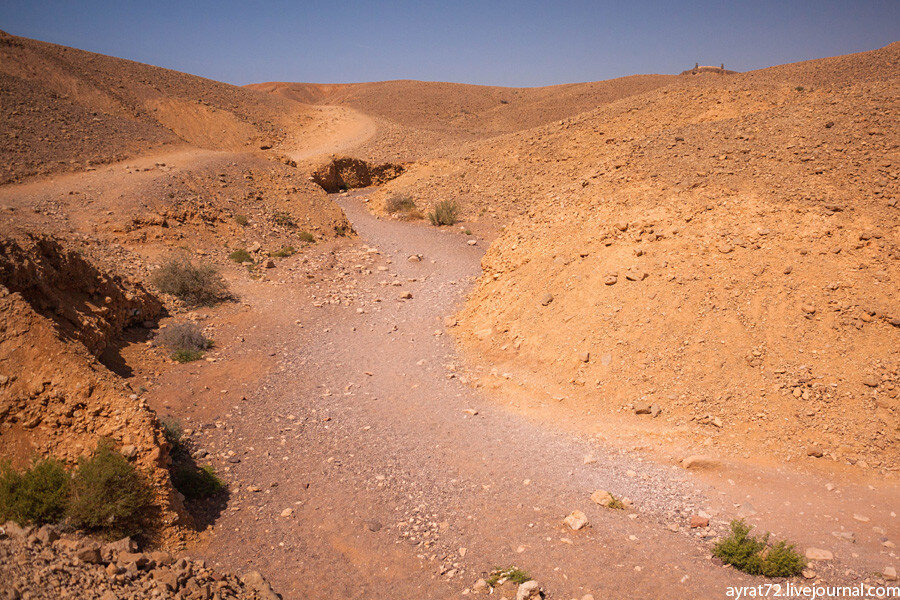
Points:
x=307, y=237
x=284, y=252
x=199, y=285
x=240, y=256
x=241, y=220
x=109, y=494
x=444, y=212
x=186, y=356
x=514, y=574
x=37, y=495
x=196, y=483
x=284, y=219
x=756, y=556
x=399, y=203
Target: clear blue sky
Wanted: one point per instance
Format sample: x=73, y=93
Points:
x=520, y=43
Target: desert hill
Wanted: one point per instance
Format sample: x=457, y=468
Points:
x=65, y=109
x=725, y=248
x=432, y=116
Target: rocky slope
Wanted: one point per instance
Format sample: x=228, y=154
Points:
x=65, y=109
x=725, y=248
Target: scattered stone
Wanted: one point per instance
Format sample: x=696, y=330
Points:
x=610, y=280
x=129, y=451
x=546, y=299
x=373, y=526
x=576, y=520
x=642, y=408
x=256, y=581
x=47, y=534
x=815, y=452
x=871, y=381
x=406, y=296
x=699, y=461
x=528, y=590
x=287, y=512
x=89, y=554
x=698, y=521
x=603, y=498
x=889, y=573
x=819, y=554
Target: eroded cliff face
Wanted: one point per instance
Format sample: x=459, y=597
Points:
x=58, y=314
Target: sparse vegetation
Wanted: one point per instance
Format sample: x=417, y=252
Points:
x=241, y=220
x=306, y=237
x=240, y=256
x=444, y=212
x=399, y=203
x=284, y=252
x=198, y=285
x=109, y=494
x=37, y=495
x=185, y=341
x=756, y=556
x=284, y=219
x=514, y=574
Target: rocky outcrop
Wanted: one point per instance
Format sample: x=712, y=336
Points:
x=45, y=564
x=344, y=173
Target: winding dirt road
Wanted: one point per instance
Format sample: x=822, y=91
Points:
x=363, y=466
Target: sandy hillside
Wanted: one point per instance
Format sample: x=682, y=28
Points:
x=725, y=248
x=66, y=109
x=421, y=118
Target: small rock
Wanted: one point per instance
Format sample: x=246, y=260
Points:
x=287, y=512
x=256, y=581
x=129, y=451
x=480, y=586
x=528, y=590
x=47, y=534
x=603, y=498
x=819, y=554
x=89, y=554
x=871, y=381
x=808, y=574
x=890, y=574
x=415, y=258
x=373, y=526
x=546, y=299
x=698, y=521
x=610, y=280
x=576, y=520
x=815, y=452
x=269, y=264
x=641, y=408
x=406, y=296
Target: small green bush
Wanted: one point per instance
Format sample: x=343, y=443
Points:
x=109, y=494
x=307, y=237
x=240, y=256
x=241, y=220
x=444, y=212
x=756, y=556
x=284, y=219
x=198, y=285
x=37, y=495
x=186, y=356
x=196, y=483
x=284, y=252
x=514, y=574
